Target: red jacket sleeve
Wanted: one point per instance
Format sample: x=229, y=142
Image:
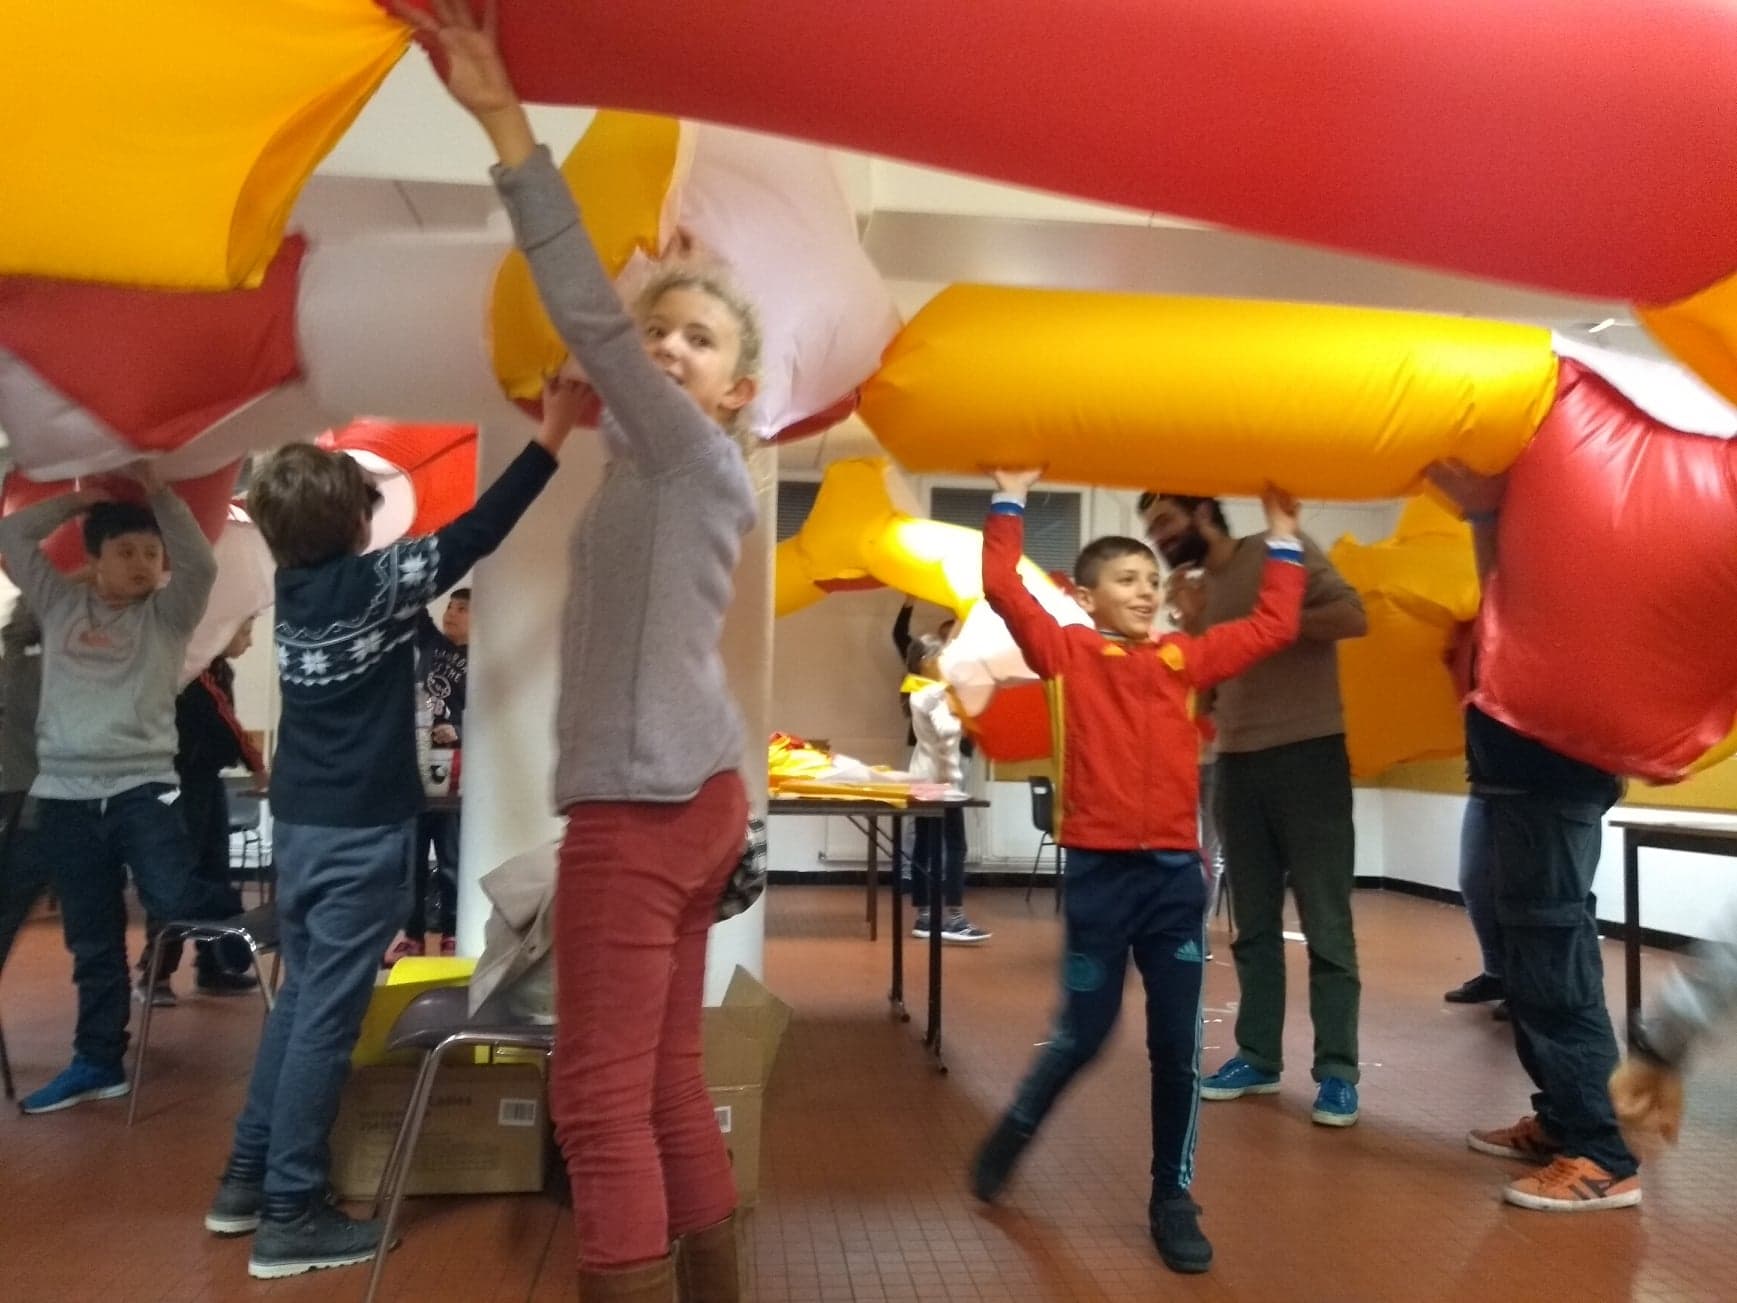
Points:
x=1038, y=636
x=1226, y=650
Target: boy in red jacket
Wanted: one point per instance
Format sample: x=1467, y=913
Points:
x=1127, y=787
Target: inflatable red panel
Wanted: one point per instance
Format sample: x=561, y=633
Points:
x=1584, y=145
x=158, y=367
x=208, y=496
x=1607, y=628
x=438, y=460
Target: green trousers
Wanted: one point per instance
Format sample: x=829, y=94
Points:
x=1284, y=816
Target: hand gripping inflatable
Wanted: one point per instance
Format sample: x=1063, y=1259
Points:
x=208, y=496
x=1205, y=395
x=774, y=210
x=1606, y=630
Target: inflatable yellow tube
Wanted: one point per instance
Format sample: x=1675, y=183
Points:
x=167, y=148
x=1205, y=395
x=856, y=537
x=620, y=172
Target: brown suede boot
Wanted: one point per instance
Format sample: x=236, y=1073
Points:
x=652, y=1283
x=706, y=1270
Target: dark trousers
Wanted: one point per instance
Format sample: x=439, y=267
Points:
x=939, y=849
x=23, y=872
x=204, y=807
x=1149, y=904
x=89, y=846
x=437, y=829
x=340, y=894
x=1478, y=883
x=1284, y=815
x=1546, y=852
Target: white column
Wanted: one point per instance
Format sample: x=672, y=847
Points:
x=748, y=660
x=515, y=652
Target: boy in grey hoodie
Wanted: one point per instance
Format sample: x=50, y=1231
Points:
x=106, y=788
x=1647, y=1089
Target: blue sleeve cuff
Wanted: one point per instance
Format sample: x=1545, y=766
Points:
x=1288, y=550
x=1007, y=504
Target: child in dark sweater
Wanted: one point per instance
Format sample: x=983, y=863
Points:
x=345, y=794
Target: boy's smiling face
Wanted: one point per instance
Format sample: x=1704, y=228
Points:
x=1125, y=598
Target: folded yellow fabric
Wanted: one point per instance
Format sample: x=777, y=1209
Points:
x=165, y=143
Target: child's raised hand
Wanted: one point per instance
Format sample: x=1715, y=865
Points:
x=1015, y=481
x=144, y=474
x=1648, y=1097
x=1281, y=509
x=466, y=53
x=563, y=408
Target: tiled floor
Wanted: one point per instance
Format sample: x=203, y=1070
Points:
x=866, y=1146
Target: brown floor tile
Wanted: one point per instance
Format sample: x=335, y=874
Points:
x=866, y=1149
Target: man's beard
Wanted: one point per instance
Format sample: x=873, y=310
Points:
x=1185, y=551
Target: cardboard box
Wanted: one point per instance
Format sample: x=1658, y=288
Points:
x=741, y=1037
x=486, y=1131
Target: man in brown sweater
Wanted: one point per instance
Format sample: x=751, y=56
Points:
x=1283, y=800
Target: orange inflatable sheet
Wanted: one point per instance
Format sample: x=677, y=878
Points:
x=165, y=143
x=1205, y=395
x=1417, y=588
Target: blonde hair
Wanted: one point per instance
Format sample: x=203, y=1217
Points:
x=715, y=282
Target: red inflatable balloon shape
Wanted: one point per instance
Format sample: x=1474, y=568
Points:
x=1606, y=630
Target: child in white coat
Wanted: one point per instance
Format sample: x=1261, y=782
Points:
x=940, y=843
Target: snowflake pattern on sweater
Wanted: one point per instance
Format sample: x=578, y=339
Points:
x=404, y=582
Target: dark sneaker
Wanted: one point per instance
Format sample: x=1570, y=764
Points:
x=221, y=981
x=321, y=1237
x=79, y=1082
x=161, y=996
x=1477, y=990
x=920, y=927
x=235, y=1210
x=1335, y=1103
x=1239, y=1077
x=1175, y=1224
x=961, y=931
x=1526, y=1140
x=997, y=1158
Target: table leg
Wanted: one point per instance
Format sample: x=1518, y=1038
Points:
x=1631, y=932
x=897, y=994
x=874, y=874
x=937, y=916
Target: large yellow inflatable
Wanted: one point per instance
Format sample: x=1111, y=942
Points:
x=1205, y=395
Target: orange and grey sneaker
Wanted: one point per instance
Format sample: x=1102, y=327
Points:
x=1526, y=1140
x=1573, y=1185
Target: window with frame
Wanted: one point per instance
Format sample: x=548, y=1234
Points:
x=795, y=501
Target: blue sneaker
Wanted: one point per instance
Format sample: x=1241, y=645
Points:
x=1239, y=1077
x=1335, y=1103
x=81, y=1080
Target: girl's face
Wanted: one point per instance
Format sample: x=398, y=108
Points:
x=697, y=342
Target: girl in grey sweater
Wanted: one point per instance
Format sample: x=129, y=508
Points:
x=650, y=741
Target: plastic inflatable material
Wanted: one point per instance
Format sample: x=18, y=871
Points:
x=1606, y=631
x=426, y=473
x=774, y=210
x=1205, y=395
x=166, y=142
x=1418, y=587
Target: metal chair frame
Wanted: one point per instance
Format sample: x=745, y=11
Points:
x=435, y=1022
x=257, y=929
x=1043, y=819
